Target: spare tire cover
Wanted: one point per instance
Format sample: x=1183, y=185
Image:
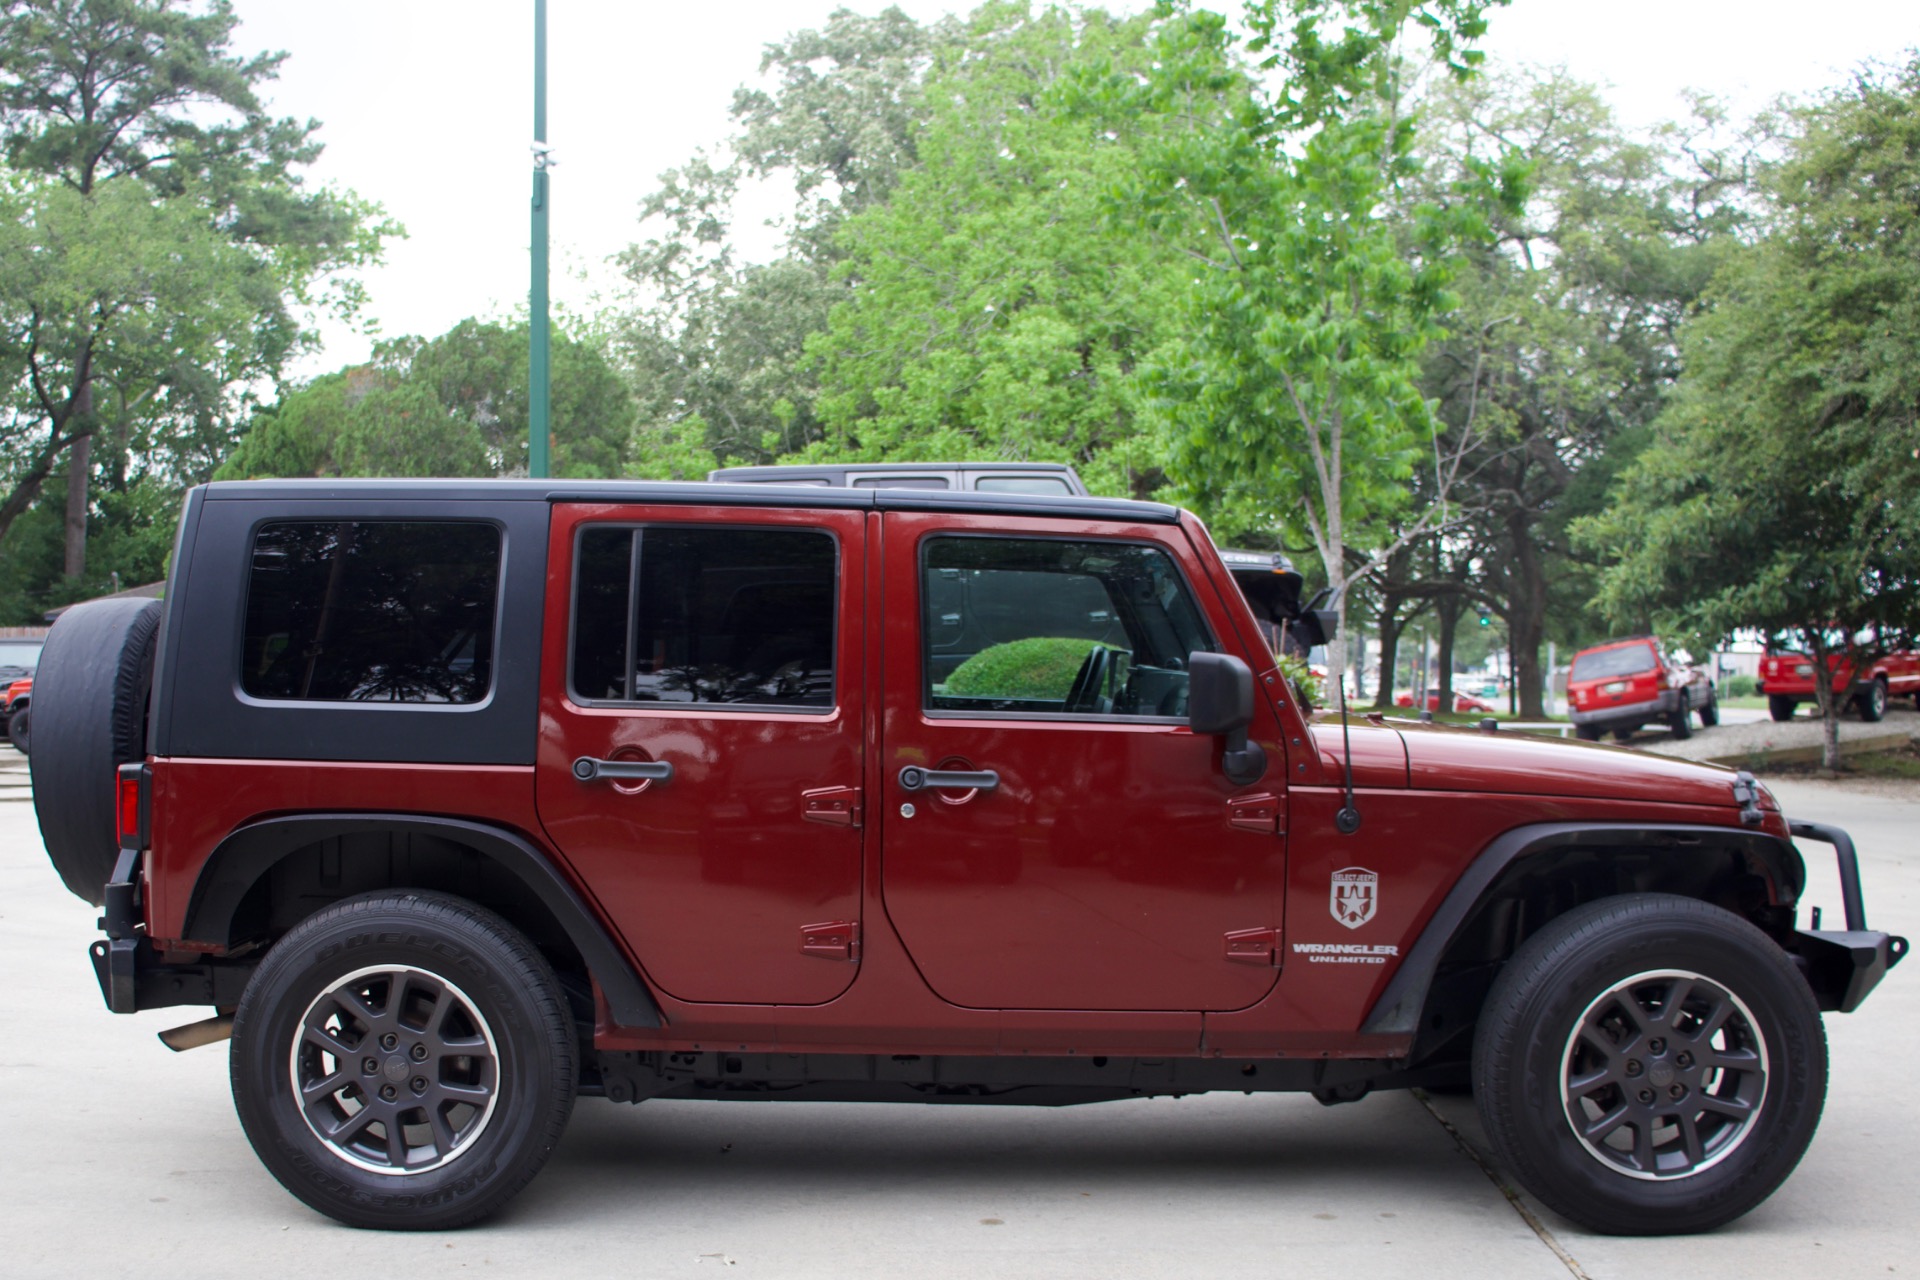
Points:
x=89, y=718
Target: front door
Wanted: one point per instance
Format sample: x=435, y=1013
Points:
x=1097, y=863
x=725, y=653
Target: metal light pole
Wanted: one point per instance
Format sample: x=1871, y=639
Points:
x=539, y=372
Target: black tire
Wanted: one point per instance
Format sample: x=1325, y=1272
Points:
x=1680, y=723
x=1616, y=968
x=1780, y=707
x=1871, y=702
x=19, y=725
x=1625, y=732
x=1710, y=714
x=502, y=1105
x=90, y=717
x=1587, y=732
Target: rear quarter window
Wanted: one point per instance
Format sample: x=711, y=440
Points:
x=371, y=611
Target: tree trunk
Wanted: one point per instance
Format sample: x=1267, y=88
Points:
x=79, y=473
x=1526, y=616
x=1389, y=622
x=1448, y=607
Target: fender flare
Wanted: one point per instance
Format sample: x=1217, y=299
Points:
x=1398, y=1010
x=237, y=863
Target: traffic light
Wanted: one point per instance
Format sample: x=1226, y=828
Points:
x=1486, y=618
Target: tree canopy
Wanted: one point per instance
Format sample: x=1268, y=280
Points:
x=1783, y=492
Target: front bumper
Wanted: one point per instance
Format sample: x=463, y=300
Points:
x=1843, y=965
x=1628, y=712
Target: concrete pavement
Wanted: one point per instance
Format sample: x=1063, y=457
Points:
x=120, y=1153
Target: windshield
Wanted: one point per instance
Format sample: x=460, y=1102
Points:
x=1627, y=660
x=19, y=653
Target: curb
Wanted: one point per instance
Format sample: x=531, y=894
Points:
x=1811, y=755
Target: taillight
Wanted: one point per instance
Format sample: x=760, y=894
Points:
x=128, y=788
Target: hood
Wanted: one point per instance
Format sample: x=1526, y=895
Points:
x=1444, y=758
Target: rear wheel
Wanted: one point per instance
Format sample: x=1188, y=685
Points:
x=1649, y=1065
x=1587, y=732
x=1872, y=701
x=1780, y=707
x=17, y=727
x=403, y=1060
x=1625, y=732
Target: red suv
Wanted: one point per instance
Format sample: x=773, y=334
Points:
x=1787, y=680
x=457, y=801
x=1623, y=684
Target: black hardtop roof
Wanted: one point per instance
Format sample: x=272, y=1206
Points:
x=692, y=493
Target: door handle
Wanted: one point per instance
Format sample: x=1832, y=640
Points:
x=586, y=768
x=914, y=778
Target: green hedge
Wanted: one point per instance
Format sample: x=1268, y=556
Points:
x=1739, y=686
x=1039, y=667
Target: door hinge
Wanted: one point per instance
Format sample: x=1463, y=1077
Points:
x=834, y=806
x=1259, y=814
x=834, y=940
x=1253, y=946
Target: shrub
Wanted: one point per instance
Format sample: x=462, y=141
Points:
x=1038, y=667
x=1740, y=686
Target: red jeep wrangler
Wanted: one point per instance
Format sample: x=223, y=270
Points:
x=456, y=800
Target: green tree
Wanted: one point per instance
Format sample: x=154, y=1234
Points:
x=714, y=347
x=1783, y=493
x=455, y=405
x=993, y=311
x=1563, y=341
x=162, y=244
x=1293, y=398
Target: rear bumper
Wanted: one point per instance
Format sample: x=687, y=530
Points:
x=1843, y=966
x=1635, y=713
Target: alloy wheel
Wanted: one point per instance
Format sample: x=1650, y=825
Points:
x=395, y=1070
x=1664, y=1075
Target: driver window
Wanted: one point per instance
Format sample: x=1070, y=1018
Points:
x=1052, y=627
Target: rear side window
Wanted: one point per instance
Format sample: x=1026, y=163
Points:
x=1042, y=626
x=696, y=614
x=371, y=611
x=1627, y=660
x=900, y=482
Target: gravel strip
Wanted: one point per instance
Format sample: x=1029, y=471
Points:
x=1765, y=736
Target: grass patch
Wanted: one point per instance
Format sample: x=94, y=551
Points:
x=1902, y=765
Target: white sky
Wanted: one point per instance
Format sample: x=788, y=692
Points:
x=426, y=106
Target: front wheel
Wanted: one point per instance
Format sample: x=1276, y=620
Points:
x=18, y=727
x=1710, y=714
x=1680, y=723
x=1650, y=1065
x=403, y=1060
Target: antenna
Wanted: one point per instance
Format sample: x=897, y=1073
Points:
x=1316, y=625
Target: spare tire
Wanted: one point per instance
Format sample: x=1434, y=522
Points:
x=89, y=718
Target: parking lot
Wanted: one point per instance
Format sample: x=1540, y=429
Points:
x=122, y=1153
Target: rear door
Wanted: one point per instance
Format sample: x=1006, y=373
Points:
x=1101, y=866
x=721, y=648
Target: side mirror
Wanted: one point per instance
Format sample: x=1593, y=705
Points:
x=1314, y=627
x=1220, y=703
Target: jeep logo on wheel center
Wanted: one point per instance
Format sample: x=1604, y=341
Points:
x=1354, y=896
